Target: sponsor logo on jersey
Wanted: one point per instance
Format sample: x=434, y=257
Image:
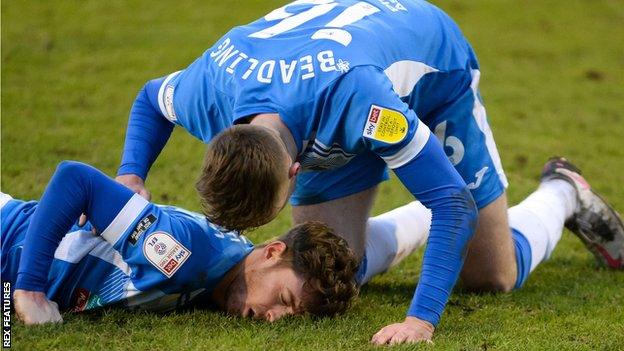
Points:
x=86, y=301
x=94, y=302
x=165, y=253
x=170, y=266
x=81, y=297
x=374, y=115
x=141, y=227
x=384, y=124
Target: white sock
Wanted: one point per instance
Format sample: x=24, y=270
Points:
x=392, y=236
x=541, y=216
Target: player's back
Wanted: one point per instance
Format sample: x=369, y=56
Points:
x=293, y=53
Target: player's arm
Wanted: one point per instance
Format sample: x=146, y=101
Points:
x=147, y=133
x=376, y=116
x=75, y=188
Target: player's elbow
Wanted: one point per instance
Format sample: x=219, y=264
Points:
x=461, y=206
x=470, y=208
x=71, y=170
x=149, y=92
x=69, y=167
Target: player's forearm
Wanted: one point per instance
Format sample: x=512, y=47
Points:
x=453, y=223
x=434, y=181
x=147, y=133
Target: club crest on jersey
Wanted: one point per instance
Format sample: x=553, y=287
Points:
x=384, y=124
x=164, y=252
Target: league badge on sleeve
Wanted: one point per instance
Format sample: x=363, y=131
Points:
x=384, y=124
x=164, y=252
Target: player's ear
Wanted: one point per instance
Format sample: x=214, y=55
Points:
x=274, y=250
x=294, y=169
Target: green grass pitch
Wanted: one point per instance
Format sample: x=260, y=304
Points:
x=553, y=83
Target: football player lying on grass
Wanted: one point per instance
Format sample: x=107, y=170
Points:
x=158, y=258
x=343, y=90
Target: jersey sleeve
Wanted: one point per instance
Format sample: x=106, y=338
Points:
x=157, y=247
x=149, y=129
x=374, y=116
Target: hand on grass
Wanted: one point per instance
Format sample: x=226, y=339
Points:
x=411, y=330
x=33, y=307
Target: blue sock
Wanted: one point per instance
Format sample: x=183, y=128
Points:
x=523, y=257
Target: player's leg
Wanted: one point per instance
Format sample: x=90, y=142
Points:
x=343, y=198
x=506, y=245
x=490, y=263
x=346, y=215
x=562, y=198
x=586, y=214
x=392, y=236
x=462, y=127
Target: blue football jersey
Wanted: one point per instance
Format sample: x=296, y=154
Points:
x=151, y=257
x=345, y=76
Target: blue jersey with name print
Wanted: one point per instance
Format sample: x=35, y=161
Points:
x=355, y=82
x=162, y=258
x=342, y=74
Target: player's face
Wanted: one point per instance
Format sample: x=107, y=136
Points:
x=268, y=289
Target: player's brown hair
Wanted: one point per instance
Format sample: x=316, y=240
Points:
x=326, y=263
x=241, y=177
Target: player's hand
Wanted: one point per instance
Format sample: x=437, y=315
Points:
x=135, y=183
x=82, y=220
x=33, y=307
x=410, y=331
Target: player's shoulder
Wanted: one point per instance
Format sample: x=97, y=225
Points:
x=362, y=81
x=182, y=219
x=200, y=226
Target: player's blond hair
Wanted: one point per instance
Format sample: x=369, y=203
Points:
x=240, y=181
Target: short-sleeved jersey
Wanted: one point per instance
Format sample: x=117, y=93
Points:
x=344, y=75
x=150, y=257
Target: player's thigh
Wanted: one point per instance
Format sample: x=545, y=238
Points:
x=463, y=129
x=341, y=198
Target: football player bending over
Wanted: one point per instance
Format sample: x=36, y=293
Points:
x=344, y=90
x=136, y=254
